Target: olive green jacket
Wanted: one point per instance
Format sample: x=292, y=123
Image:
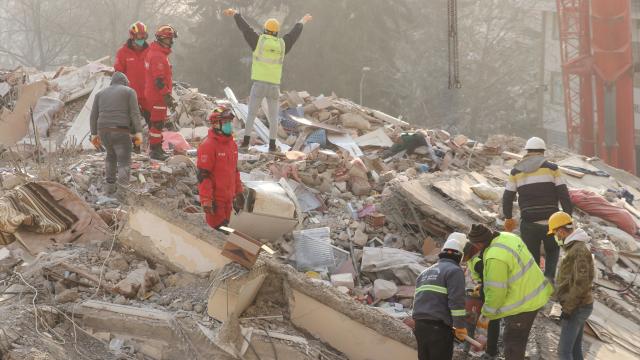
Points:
x=576, y=273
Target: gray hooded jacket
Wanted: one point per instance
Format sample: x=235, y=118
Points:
x=116, y=107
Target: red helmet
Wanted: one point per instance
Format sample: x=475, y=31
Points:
x=166, y=32
x=138, y=28
x=220, y=113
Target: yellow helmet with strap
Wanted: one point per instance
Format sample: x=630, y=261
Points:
x=558, y=220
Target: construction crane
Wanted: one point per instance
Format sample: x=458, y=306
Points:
x=454, y=68
x=597, y=64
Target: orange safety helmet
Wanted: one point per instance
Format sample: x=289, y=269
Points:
x=166, y=32
x=138, y=28
x=220, y=113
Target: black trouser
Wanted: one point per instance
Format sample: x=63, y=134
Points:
x=435, y=340
x=533, y=234
x=493, y=334
x=516, y=334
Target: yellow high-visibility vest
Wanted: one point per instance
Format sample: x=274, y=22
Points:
x=268, y=58
x=526, y=287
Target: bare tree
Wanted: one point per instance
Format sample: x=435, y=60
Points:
x=35, y=32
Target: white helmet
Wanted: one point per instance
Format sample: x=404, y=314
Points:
x=456, y=241
x=535, y=143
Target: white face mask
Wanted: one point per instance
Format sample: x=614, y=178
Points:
x=560, y=242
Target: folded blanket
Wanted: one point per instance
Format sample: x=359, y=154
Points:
x=33, y=207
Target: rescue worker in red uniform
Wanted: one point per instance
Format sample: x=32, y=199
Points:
x=158, y=87
x=130, y=61
x=219, y=186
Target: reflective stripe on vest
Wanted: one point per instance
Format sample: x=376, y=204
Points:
x=523, y=268
x=433, y=288
x=510, y=307
x=523, y=287
x=268, y=58
x=462, y=312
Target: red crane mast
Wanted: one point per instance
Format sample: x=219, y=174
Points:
x=596, y=54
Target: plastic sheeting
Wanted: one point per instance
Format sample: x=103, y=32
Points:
x=596, y=205
x=43, y=114
x=389, y=263
x=175, y=140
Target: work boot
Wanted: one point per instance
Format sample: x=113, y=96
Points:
x=272, y=146
x=245, y=142
x=157, y=153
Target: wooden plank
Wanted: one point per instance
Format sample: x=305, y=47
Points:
x=632, y=209
x=390, y=119
x=311, y=123
x=572, y=172
x=510, y=155
x=127, y=310
x=302, y=138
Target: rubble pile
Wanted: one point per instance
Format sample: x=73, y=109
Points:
x=357, y=201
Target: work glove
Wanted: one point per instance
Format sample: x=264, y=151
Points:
x=97, y=143
x=137, y=139
x=209, y=207
x=460, y=333
x=510, y=225
x=230, y=12
x=305, y=19
x=410, y=323
x=238, y=202
x=168, y=99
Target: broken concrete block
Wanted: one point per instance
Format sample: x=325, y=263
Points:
x=68, y=295
x=118, y=263
x=388, y=176
x=345, y=280
x=341, y=185
x=360, y=188
x=324, y=116
x=487, y=192
x=384, y=289
x=355, y=121
x=112, y=275
x=460, y=140
x=322, y=103
x=10, y=181
x=137, y=283
x=360, y=238
x=181, y=279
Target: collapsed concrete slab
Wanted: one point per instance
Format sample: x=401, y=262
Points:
x=158, y=334
x=359, y=331
x=231, y=297
x=162, y=236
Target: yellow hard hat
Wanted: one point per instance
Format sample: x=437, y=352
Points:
x=272, y=25
x=558, y=220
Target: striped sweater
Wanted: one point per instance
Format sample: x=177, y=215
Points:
x=539, y=187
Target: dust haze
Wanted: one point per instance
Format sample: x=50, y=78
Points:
x=403, y=43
